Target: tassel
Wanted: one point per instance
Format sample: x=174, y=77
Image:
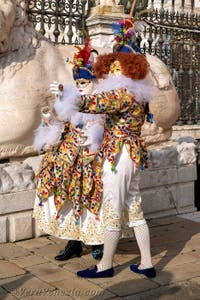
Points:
x=150, y=118
x=57, y=216
x=97, y=218
x=112, y=168
x=141, y=167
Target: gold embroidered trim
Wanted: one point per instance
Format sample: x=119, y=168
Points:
x=94, y=230
x=134, y=212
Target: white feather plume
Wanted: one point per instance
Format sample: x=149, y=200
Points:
x=144, y=89
x=95, y=135
x=69, y=102
x=45, y=136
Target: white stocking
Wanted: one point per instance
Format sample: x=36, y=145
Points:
x=143, y=241
x=110, y=246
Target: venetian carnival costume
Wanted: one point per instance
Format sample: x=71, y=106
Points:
x=122, y=96
x=65, y=177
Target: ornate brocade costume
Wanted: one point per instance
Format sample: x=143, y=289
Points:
x=63, y=207
x=66, y=172
x=122, y=127
x=124, y=119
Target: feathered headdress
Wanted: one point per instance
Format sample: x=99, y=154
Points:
x=125, y=35
x=83, y=61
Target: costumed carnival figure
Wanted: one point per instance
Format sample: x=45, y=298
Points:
x=65, y=177
x=123, y=153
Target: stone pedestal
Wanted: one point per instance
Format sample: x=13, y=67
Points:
x=167, y=188
x=100, y=21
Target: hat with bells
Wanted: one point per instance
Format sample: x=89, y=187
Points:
x=83, y=62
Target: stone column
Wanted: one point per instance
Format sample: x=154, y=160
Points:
x=99, y=24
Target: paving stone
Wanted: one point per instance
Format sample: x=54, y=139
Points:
x=125, y=282
x=121, y=259
x=170, y=250
x=26, y=286
x=10, y=251
x=48, y=251
x=180, y=291
x=82, y=289
x=171, y=261
x=50, y=295
x=4, y=295
x=178, y=273
x=175, y=247
x=48, y=272
x=169, y=239
x=75, y=264
x=34, y=243
x=194, y=244
x=29, y=260
x=56, y=240
x=8, y=269
x=166, y=220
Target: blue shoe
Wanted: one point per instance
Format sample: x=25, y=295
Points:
x=150, y=272
x=92, y=273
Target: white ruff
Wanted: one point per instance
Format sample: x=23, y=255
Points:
x=143, y=89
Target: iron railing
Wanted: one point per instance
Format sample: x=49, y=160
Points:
x=173, y=35
x=61, y=21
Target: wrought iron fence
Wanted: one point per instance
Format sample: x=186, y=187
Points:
x=173, y=35
x=61, y=21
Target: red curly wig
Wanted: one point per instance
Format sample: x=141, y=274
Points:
x=134, y=66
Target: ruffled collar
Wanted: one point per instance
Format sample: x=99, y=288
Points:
x=144, y=90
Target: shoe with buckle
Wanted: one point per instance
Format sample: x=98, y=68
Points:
x=72, y=249
x=93, y=273
x=149, y=272
x=97, y=251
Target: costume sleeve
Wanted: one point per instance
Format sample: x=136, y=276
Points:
x=118, y=100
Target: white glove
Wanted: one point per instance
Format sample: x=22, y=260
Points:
x=57, y=89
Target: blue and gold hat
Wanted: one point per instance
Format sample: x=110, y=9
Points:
x=83, y=62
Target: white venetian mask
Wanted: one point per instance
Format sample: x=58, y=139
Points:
x=85, y=86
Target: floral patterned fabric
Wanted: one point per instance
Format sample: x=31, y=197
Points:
x=125, y=117
x=71, y=173
x=66, y=172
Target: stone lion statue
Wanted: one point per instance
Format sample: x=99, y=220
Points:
x=165, y=107
x=29, y=63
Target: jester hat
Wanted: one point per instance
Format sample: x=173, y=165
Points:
x=83, y=61
x=125, y=36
